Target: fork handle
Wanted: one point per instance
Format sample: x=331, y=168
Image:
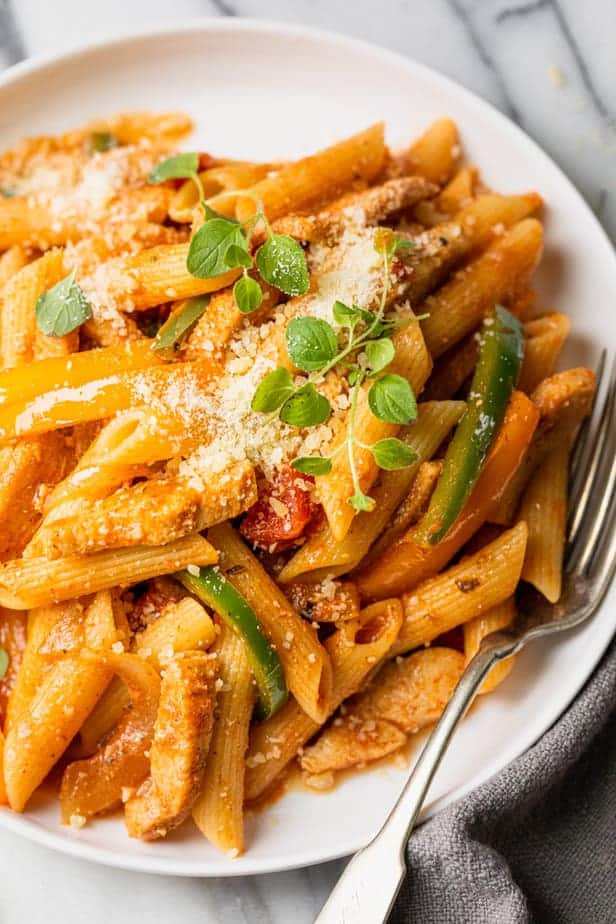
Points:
x=369, y=885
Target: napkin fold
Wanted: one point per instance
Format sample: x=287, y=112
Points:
x=537, y=842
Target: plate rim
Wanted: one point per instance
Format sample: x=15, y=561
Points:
x=69, y=843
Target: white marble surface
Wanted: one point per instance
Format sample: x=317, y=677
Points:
x=550, y=65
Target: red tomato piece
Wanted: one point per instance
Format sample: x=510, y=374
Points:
x=284, y=509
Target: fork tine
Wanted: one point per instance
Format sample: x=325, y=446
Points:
x=587, y=454
x=598, y=487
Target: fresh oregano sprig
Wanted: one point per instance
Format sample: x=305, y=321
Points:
x=367, y=350
x=223, y=243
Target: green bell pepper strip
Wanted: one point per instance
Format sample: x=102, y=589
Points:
x=216, y=592
x=496, y=373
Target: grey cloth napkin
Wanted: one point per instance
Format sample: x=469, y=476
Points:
x=537, y=842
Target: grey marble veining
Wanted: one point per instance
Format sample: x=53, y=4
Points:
x=550, y=65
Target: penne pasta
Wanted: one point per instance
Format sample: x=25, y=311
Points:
x=32, y=582
x=544, y=508
x=218, y=811
x=320, y=177
x=493, y=277
x=545, y=337
x=499, y=617
x=464, y=591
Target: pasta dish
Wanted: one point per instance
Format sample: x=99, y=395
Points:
x=279, y=441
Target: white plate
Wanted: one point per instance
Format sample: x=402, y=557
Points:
x=272, y=91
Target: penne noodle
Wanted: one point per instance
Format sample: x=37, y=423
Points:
x=545, y=337
x=322, y=555
x=434, y=154
x=456, y=195
x=218, y=811
x=493, y=277
x=20, y=339
x=13, y=640
x=544, y=508
x=499, y=617
x=320, y=177
x=11, y=261
x=32, y=582
x=305, y=661
x=466, y=590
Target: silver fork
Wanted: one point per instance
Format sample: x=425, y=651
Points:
x=368, y=887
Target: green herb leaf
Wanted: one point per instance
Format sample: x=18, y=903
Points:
x=7, y=192
x=379, y=353
x=62, y=308
x=362, y=502
x=346, y=316
x=311, y=343
x=356, y=375
x=312, y=465
x=248, y=294
x=4, y=662
x=306, y=408
x=99, y=142
x=209, y=247
x=179, y=323
x=391, y=399
x=238, y=256
x=403, y=243
x=282, y=263
x=178, y=167
x=273, y=391
x=392, y=454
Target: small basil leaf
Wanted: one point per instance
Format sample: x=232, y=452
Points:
x=392, y=454
x=237, y=256
x=209, y=246
x=273, y=391
x=63, y=308
x=178, y=167
x=7, y=192
x=391, y=399
x=306, y=408
x=99, y=142
x=346, y=316
x=311, y=343
x=179, y=324
x=361, y=502
x=282, y=263
x=403, y=243
x=248, y=294
x=4, y=662
x=379, y=353
x=312, y=465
